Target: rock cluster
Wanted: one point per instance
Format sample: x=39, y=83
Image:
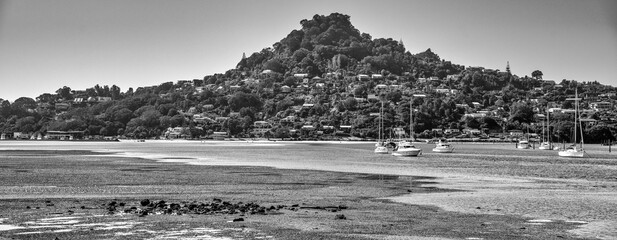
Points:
x=216, y=206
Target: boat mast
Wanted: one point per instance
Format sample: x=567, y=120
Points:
x=543, y=135
x=548, y=128
x=380, y=121
x=580, y=123
x=411, y=120
x=575, y=113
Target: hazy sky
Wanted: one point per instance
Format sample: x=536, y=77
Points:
x=48, y=44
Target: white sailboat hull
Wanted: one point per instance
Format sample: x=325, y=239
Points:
x=406, y=149
x=381, y=150
x=572, y=153
x=545, y=146
x=410, y=152
x=523, y=145
x=443, y=149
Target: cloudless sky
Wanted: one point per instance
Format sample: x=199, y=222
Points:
x=48, y=44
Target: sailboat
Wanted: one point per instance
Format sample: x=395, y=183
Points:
x=546, y=144
x=524, y=143
x=406, y=148
x=380, y=146
x=575, y=151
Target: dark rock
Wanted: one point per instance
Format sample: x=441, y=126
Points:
x=113, y=203
x=27, y=207
x=340, y=217
x=238, y=220
x=145, y=202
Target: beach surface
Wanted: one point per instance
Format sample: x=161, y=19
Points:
x=336, y=190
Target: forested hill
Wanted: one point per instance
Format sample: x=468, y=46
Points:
x=331, y=43
x=325, y=80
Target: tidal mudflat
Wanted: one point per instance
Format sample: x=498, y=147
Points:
x=250, y=190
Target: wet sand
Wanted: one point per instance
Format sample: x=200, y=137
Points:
x=465, y=195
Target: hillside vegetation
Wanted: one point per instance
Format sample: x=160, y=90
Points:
x=326, y=80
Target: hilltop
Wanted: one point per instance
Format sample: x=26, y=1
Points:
x=325, y=80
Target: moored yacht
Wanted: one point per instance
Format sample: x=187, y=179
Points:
x=573, y=152
x=443, y=147
x=523, y=144
x=406, y=149
x=545, y=146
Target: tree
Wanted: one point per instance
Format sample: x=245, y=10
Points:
x=26, y=124
x=350, y=104
x=46, y=98
x=24, y=103
x=360, y=91
x=64, y=93
x=394, y=96
x=473, y=123
x=521, y=112
x=599, y=133
x=281, y=133
x=241, y=100
x=537, y=74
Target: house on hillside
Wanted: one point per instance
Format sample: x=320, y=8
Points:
x=301, y=75
x=62, y=106
x=363, y=77
x=451, y=131
x=601, y=106
x=260, y=128
x=453, y=76
x=285, y=89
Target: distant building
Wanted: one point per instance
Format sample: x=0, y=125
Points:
x=601, y=106
x=65, y=135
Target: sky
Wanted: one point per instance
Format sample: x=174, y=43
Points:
x=48, y=44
